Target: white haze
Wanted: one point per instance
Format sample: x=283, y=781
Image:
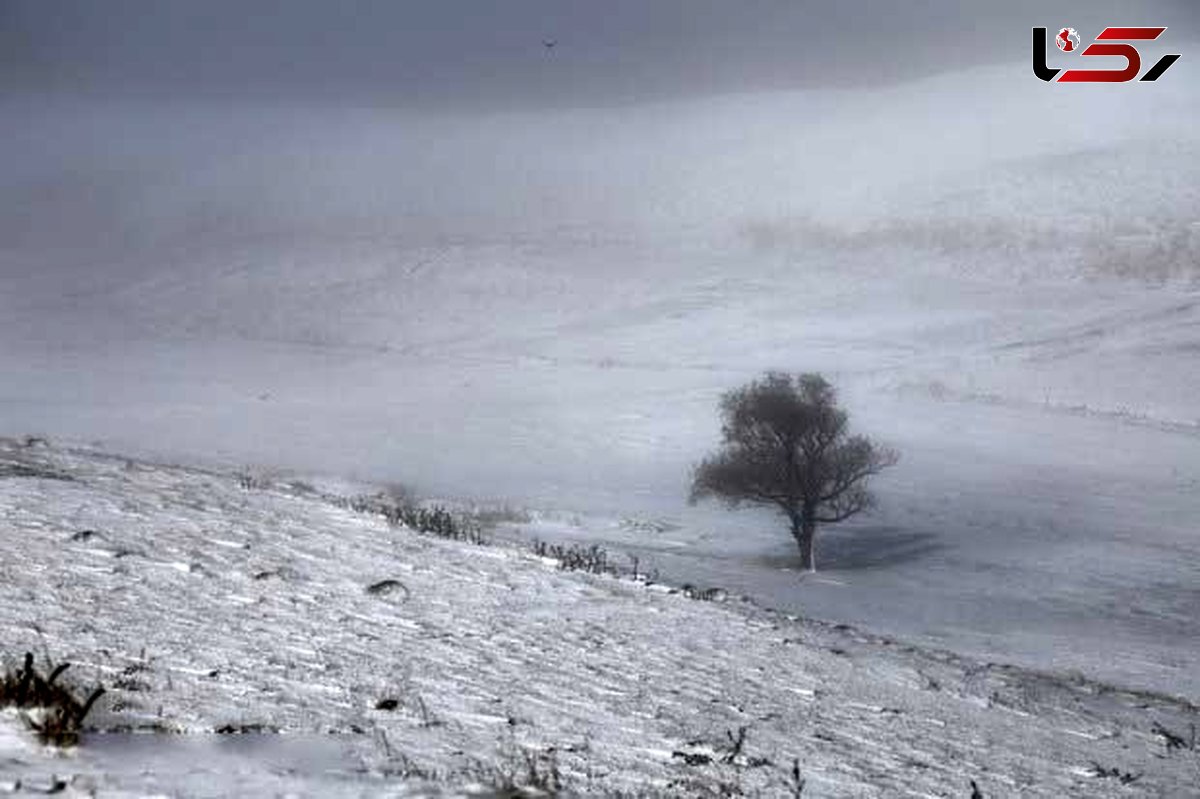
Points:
x=544, y=307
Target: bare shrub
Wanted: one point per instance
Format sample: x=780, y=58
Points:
x=713, y=594
x=1173, y=740
x=48, y=707
x=249, y=479
x=436, y=520
x=796, y=780
x=522, y=773
x=1124, y=777
x=576, y=557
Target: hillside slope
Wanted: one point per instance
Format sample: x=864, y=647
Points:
x=204, y=605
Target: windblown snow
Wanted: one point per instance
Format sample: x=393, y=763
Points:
x=205, y=606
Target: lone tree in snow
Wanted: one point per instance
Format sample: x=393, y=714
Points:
x=786, y=445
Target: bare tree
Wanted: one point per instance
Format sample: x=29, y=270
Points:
x=786, y=445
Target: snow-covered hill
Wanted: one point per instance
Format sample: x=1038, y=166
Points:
x=204, y=605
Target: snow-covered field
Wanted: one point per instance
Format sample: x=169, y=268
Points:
x=204, y=605
x=542, y=308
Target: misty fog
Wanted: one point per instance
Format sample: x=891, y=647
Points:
x=517, y=272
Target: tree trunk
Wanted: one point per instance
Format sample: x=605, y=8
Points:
x=808, y=535
x=804, y=530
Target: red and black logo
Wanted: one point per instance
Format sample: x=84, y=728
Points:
x=1111, y=42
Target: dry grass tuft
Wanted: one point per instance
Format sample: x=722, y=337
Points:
x=50, y=709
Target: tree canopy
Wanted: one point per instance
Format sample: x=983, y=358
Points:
x=786, y=443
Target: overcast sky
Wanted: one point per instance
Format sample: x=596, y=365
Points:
x=462, y=52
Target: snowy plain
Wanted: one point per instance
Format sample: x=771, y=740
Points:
x=543, y=309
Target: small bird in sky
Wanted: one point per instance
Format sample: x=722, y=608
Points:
x=549, y=44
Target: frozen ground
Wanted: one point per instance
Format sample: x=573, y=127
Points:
x=204, y=605
x=543, y=308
